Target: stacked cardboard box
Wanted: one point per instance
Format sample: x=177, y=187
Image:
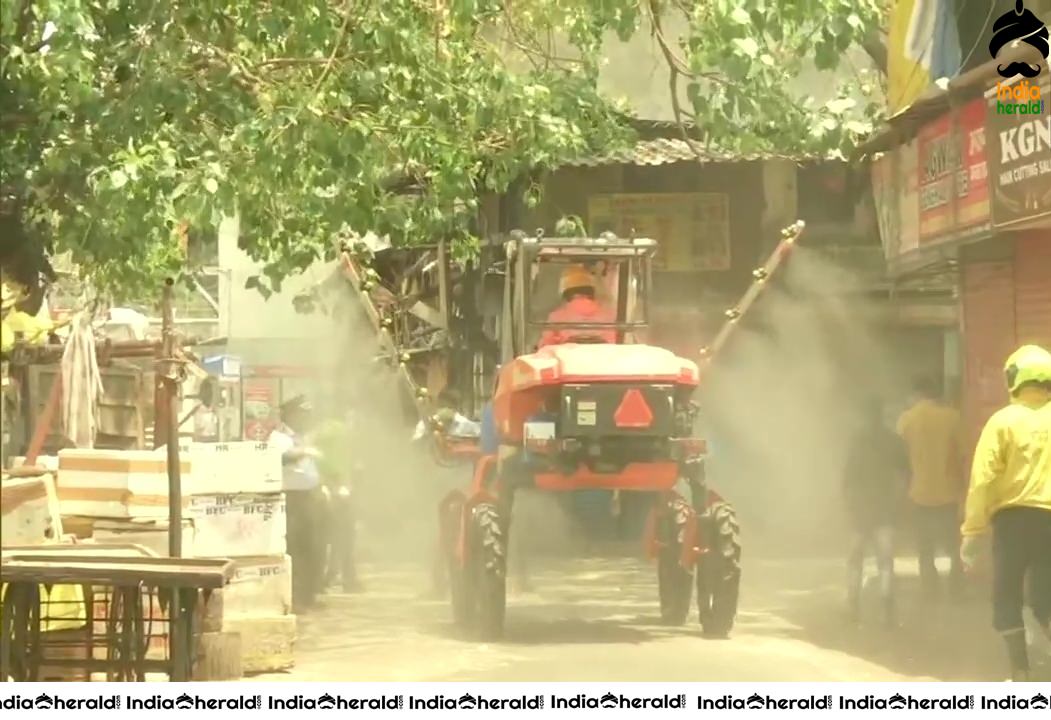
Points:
x=240, y=505
x=29, y=511
x=117, y=483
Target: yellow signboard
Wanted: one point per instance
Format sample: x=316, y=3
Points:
x=692, y=230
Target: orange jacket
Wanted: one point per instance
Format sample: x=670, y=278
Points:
x=581, y=309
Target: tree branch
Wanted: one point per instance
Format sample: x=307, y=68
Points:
x=288, y=62
x=674, y=67
x=877, y=50
x=532, y=53
x=674, y=60
x=25, y=17
x=340, y=39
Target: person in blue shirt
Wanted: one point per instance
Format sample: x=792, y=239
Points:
x=304, y=501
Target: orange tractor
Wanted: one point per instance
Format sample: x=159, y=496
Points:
x=597, y=408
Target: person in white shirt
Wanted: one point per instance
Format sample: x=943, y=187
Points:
x=304, y=501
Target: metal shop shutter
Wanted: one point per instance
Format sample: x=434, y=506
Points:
x=988, y=314
x=1033, y=288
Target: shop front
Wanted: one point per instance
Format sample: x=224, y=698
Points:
x=1006, y=279
x=924, y=212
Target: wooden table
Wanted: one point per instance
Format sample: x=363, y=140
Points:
x=178, y=583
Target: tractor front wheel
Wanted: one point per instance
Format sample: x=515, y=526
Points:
x=451, y=574
x=719, y=571
x=674, y=582
x=485, y=581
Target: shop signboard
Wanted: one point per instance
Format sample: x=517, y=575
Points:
x=692, y=230
x=897, y=200
x=909, y=204
x=1019, y=161
x=953, y=178
x=938, y=161
x=972, y=212
x=886, y=194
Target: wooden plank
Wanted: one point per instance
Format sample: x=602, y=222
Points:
x=100, y=549
x=85, y=569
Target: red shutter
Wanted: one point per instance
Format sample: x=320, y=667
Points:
x=988, y=312
x=1033, y=288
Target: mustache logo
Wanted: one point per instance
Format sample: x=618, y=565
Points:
x=1021, y=25
x=1018, y=68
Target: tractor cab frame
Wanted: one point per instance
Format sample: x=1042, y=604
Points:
x=622, y=269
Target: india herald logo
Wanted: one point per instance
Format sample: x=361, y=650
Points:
x=1022, y=25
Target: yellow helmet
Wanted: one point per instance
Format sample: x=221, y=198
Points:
x=1027, y=364
x=575, y=276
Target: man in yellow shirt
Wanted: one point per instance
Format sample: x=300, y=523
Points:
x=933, y=435
x=1011, y=493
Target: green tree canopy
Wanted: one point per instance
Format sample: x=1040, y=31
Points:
x=127, y=121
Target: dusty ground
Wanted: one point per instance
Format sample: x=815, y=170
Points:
x=594, y=619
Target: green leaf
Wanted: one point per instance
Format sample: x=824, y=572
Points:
x=841, y=105
x=741, y=16
x=748, y=46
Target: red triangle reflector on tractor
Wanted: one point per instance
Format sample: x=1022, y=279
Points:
x=633, y=412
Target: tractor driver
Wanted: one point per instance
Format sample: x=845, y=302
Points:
x=577, y=287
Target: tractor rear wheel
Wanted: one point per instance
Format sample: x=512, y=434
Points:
x=674, y=582
x=486, y=572
x=719, y=571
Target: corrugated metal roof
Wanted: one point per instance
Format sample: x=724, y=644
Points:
x=664, y=151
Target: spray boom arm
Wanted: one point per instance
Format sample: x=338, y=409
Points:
x=761, y=275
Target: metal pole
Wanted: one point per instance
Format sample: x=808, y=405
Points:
x=169, y=373
x=443, y=281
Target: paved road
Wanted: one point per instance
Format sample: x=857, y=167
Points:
x=594, y=619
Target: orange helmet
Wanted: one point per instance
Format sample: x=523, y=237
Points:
x=575, y=276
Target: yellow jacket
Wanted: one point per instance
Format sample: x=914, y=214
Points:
x=34, y=329
x=63, y=607
x=1012, y=463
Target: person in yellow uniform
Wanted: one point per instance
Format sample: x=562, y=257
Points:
x=34, y=329
x=932, y=432
x=1010, y=492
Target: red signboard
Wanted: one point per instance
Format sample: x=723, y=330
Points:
x=937, y=166
x=952, y=176
x=260, y=408
x=972, y=187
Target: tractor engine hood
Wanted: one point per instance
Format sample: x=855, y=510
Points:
x=570, y=363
